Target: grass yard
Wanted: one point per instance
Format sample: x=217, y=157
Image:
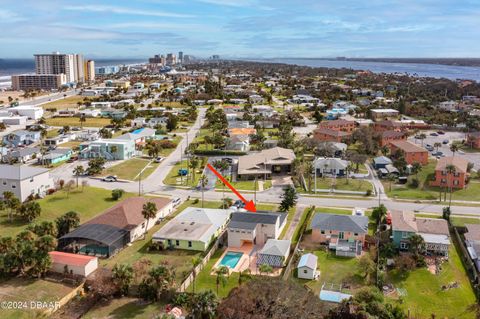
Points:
x=72, y=144
x=206, y=281
x=173, y=178
x=357, y=185
x=425, y=296
x=52, y=133
x=333, y=269
x=130, y=169
x=125, y=307
x=87, y=203
x=26, y=290
x=66, y=103
x=75, y=121
x=243, y=185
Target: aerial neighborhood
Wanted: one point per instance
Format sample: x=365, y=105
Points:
x=167, y=185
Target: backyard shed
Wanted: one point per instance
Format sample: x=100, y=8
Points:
x=307, y=267
x=274, y=253
x=73, y=263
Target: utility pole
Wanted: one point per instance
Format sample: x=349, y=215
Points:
x=255, y=191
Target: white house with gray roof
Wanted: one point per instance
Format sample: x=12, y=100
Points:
x=274, y=253
x=254, y=228
x=330, y=166
x=23, y=180
x=193, y=229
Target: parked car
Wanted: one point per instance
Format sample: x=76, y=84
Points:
x=176, y=201
x=441, y=132
x=227, y=159
x=438, y=153
x=238, y=204
x=429, y=147
x=445, y=141
x=159, y=159
x=110, y=178
x=433, y=134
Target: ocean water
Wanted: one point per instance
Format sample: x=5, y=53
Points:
x=451, y=72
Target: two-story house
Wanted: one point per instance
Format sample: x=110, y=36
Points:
x=343, y=233
x=21, y=137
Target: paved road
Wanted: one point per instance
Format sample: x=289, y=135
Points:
x=49, y=98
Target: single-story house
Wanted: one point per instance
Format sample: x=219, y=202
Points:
x=193, y=229
x=73, y=263
x=307, y=267
x=275, y=160
x=21, y=137
x=275, y=253
x=330, y=166
x=343, y=233
x=119, y=225
x=21, y=155
x=56, y=156
x=433, y=230
x=381, y=162
x=254, y=228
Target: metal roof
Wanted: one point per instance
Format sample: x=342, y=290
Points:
x=105, y=234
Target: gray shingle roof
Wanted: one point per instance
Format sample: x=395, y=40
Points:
x=276, y=247
x=20, y=172
x=246, y=220
x=348, y=223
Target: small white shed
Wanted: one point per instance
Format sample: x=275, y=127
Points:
x=307, y=267
x=73, y=263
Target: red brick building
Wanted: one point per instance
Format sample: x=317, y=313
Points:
x=473, y=139
x=387, y=125
x=390, y=136
x=413, y=153
x=338, y=125
x=457, y=179
x=328, y=135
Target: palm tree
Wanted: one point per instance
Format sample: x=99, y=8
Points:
x=451, y=172
x=309, y=171
x=122, y=275
x=437, y=145
x=78, y=171
x=244, y=276
x=265, y=269
x=149, y=211
x=193, y=166
x=195, y=262
x=454, y=149
x=221, y=273
x=203, y=305
x=113, y=150
x=422, y=137
x=391, y=178
x=349, y=169
x=416, y=168
x=416, y=244
x=203, y=183
x=82, y=120
x=11, y=202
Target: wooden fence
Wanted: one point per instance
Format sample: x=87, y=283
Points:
x=472, y=271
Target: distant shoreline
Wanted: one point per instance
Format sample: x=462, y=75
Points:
x=475, y=62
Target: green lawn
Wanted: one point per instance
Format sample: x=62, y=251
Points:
x=75, y=121
x=125, y=307
x=26, y=290
x=357, y=185
x=52, y=133
x=290, y=215
x=243, y=185
x=206, y=281
x=174, y=179
x=424, y=293
x=87, y=203
x=66, y=103
x=130, y=169
x=71, y=144
x=425, y=192
x=167, y=151
x=333, y=269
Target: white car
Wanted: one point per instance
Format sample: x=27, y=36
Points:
x=159, y=159
x=176, y=201
x=110, y=178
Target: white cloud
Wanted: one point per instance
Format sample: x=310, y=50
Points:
x=123, y=10
x=9, y=16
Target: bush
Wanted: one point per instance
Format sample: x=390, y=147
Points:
x=167, y=144
x=368, y=192
x=50, y=191
x=196, y=200
x=218, y=152
x=117, y=194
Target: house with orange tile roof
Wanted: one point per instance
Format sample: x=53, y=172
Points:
x=72, y=263
x=241, y=131
x=413, y=153
x=456, y=179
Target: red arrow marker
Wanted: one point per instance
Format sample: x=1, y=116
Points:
x=249, y=205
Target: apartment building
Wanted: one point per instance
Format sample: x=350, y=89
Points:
x=38, y=82
x=71, y=65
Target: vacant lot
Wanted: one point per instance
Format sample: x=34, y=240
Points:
x=22, y=289
x=125, y=307
x=424, y=290
x=173, y=178
x=131, y=168
x=65, y=103
x=75, y=121
x=87, y=203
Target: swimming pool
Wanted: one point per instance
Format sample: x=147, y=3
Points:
x=231, y=259
x=137, y=131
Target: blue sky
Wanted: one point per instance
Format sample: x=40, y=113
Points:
x=236, y=28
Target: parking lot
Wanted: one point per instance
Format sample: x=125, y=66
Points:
x=445, y=148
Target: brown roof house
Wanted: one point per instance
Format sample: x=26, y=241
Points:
x=434, y=232
x=275, y=160
x=119, y=225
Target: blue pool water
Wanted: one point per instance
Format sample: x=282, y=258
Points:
x=137, y=131
x=231, y=259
